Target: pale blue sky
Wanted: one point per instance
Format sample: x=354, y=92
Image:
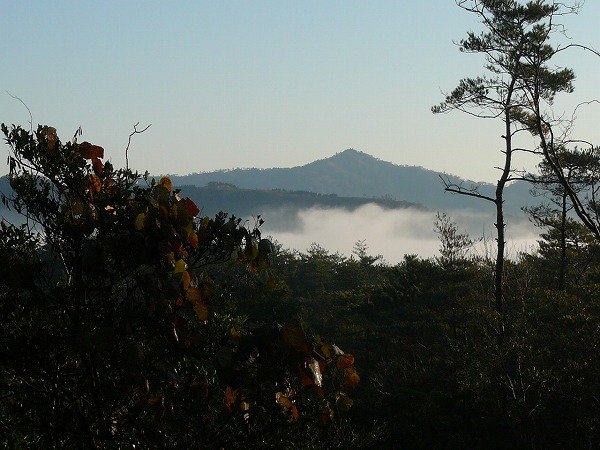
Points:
x=261, y=83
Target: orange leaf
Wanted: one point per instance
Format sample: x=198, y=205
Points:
x=191, y=208
x=51, y=137
x=345, y=360
x=185, y=279
x=166, y=183
x=201, y=311
x=295, y=414
x=192, y=239
x=193, y=295
x=89, y=151
x=230, y=398
x=351, y=377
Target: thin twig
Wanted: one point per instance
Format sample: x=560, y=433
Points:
x=27, y=107
x=135, y=131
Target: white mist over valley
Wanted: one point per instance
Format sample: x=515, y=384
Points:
x=391, y=233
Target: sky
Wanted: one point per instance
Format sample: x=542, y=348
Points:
x=265, y=83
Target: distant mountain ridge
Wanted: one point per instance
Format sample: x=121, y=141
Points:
x=353, y=173
x=219, y=196
x=346, y=180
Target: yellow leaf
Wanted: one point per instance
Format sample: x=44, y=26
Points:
x=284, y=401
x=140, y=221
x=344, y=403
x=180, y=266
x=95, y=184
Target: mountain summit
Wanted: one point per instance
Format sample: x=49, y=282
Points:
x=352, y=173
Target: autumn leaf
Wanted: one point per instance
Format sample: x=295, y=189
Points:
x=180, y=266
x=193, y=294
x=201, y=311
x=93, y=152
x=351, y=377
x=185, y=279
x=51, y=137
x=295, y=414
x=283, y=400
x=231, y=396
x=89, y=151
x=344, y=402
x=191, y=208
x=166, y=183
x=170, y=257
x=98, y=167
x=345, y=360
x=192, y=239
x=95, y=184
x=140, y=221
x=324, y=347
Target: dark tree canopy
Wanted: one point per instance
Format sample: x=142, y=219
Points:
x=114, y=332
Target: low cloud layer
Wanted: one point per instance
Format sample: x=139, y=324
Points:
x=391, y=233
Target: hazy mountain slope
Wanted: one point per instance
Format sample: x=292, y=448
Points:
x=226, y=197
x=352, y=173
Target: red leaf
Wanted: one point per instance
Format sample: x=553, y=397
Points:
x=90, y=151
x=97, y=164
x=191, y=208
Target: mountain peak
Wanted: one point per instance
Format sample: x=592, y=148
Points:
x=352, y=153
x=349, y=158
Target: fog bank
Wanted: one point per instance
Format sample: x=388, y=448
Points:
x=391, y=233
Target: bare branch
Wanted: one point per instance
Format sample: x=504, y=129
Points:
x=471, y=191
x=27, y=107
x=135, y=131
